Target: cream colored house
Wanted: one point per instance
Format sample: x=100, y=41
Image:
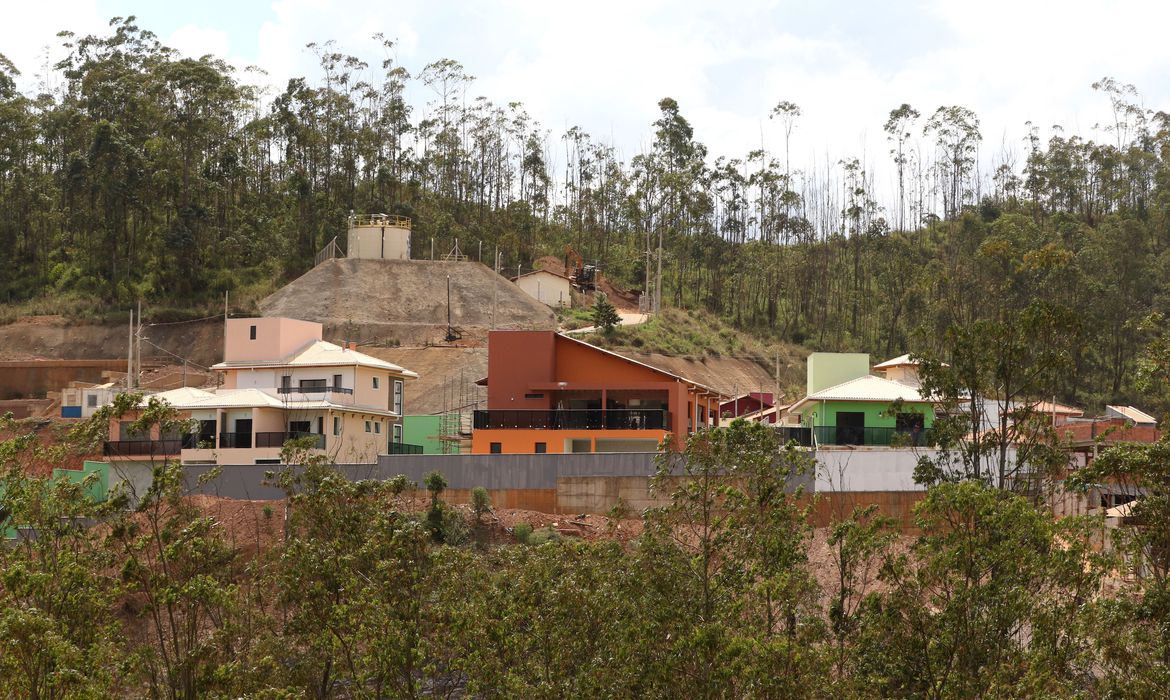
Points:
x=546, y=287
x=280, y=381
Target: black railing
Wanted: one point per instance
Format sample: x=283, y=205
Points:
x=147, y=448
x=236, y=440
x=404, y=448
x=277, y=439
x=313, y=390
x=882, y=437
x=575, y=419
x=800, y=434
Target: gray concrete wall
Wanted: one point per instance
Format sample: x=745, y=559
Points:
x=494, y=472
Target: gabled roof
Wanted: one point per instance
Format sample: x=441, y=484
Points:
x=659, y=370
x=197, y=400
x=1049, y=407
x=899, y=361
x=547, y=272
x=867, y=388
x=1132, y=414
x=321, y=353
x=177, y=397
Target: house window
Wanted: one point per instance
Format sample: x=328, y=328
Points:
x=285, y=383
x=91, y=400
x=251, y=332
x=398, y=432
x=298, y=426
x=541, y=448
x=367, y=426
x=497, y=448
x=268, y=461
x=337, y=381
x=534, y=396
x=397, y=407
x=378, y=427
x=337, y=425
x=313, y=385
x=375, y=382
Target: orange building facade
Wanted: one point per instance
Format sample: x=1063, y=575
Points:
x=551, y=393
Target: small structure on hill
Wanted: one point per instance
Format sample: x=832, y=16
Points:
x=378, y=237
x=548, y=288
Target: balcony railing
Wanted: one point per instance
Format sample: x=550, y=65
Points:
x=235, y=440
x=273, y=439
x=404, y=448
x=575, y=419
x=148, y=448
x=882, y=437
x=313, y=390
x=801, y=435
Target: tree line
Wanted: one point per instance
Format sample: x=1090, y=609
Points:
x=353, y=590
x=133, y=172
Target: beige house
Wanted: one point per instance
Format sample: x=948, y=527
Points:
x=546, y=287
x=280, y=381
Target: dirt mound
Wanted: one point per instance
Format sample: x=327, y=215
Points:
x=447, y=375
x=730, y=375
x=405, y=300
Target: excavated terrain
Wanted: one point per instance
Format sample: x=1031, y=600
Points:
x=405, y=301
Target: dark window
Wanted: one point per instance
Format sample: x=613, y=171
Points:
x=313, y=385
x=534, y=396
x=337, y=381
x=541, y=448
x=268, y=461
x=251, y=332
x=298, y=426
x=850, y=428
x=909, y=423
x=497, y=448
x=336, y=425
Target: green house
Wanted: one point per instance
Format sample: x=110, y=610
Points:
x=847, y=405
x=97, y=489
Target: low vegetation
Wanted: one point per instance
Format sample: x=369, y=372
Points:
x=367, y=589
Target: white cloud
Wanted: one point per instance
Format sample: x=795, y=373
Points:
x=195, y=42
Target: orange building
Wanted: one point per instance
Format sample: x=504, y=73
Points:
x=551, y=393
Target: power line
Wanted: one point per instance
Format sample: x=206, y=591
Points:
x=177, y=323
x=177, y=357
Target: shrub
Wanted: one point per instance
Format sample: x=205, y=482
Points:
x=522, y=531
x=544, y=535
x=481, y=502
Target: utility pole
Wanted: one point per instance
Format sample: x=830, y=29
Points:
x=138, y=347
x=130, y=352
x=658, y=289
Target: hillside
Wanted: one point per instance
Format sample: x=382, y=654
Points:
x=405, y=301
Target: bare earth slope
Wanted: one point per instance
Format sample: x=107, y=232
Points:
x=405, y=300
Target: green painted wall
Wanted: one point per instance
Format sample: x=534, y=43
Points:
x=826, y=413
x=421, y=430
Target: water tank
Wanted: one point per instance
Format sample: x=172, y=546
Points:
x=378, y=237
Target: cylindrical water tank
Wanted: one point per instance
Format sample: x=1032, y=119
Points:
x=378, y=237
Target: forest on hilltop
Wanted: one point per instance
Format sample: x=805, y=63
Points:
x=142, y=174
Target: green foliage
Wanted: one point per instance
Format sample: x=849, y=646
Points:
x=522, y=532
x=481, y=502
x=605, y=314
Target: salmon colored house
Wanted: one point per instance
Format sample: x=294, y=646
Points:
x=279, y=381
x=547, y=392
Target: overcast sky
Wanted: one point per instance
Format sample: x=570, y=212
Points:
x=604, y=65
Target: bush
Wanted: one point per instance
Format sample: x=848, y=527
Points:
x=481, y=502
x=522, y=531
x=544, y=535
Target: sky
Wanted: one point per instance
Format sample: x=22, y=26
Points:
x=604, y=65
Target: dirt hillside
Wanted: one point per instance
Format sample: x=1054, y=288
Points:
x=56, y=338
x=444, y=370
x=377, y=301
